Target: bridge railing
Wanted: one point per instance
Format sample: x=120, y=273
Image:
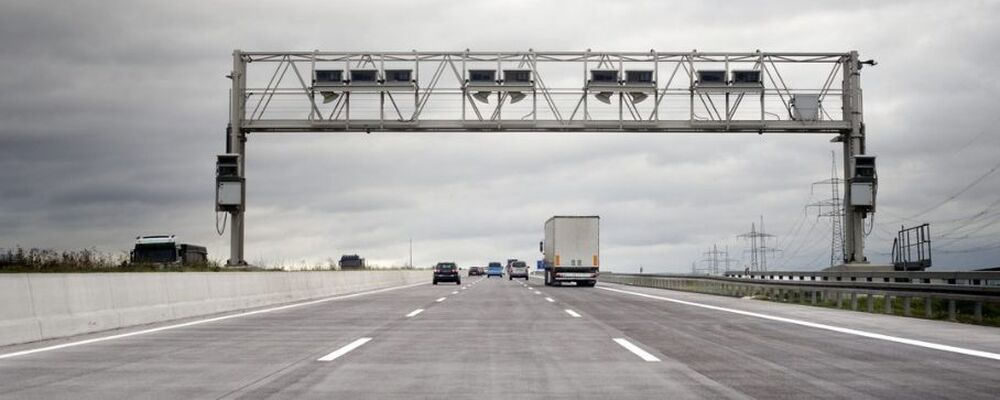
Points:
x=979, y=303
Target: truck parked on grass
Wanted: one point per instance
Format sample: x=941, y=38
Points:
x=351, y=261
x=571, y=250
x=164, y=249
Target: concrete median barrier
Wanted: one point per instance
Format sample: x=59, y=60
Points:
x=45, y=306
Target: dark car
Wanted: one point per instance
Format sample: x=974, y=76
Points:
x=475, y=271
x=447, y=272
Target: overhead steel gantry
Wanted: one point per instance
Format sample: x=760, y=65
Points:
x=550, y=91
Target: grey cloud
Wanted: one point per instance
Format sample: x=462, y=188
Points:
x=127, y=147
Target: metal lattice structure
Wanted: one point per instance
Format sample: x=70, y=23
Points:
x=554, y=91
x=832, y=208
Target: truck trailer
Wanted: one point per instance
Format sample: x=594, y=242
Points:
x=164, y=249
x=571, y=250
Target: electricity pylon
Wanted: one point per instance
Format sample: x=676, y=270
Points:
x=832, y=208
x=758, y=246
x=715, y=257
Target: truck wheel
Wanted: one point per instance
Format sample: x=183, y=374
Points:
x=510, y=277
x=459, y=282
x=435, y=282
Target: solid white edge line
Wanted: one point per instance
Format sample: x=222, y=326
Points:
x=849, y=331
x=414, y=312
x=643, y=354
x=572, y=313
x=549, y=299
x=344, y=350
x=441, y=299
x=199, y=322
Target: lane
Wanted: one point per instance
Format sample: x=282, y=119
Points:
x=500, y=339
x=211, y=359
x=494, y=341
x=763, y=358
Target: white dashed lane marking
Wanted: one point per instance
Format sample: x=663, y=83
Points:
x=414, y=312
x=636, y=350
x=344, y=350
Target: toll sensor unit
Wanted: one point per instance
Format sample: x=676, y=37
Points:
x=864, y=184
x=229, y=190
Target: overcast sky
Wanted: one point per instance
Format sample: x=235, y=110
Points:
x=111, y=114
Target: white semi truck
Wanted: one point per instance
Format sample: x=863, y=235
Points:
x=571, y=249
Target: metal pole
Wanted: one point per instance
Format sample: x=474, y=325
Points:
x=237, y=143
x=854, y=142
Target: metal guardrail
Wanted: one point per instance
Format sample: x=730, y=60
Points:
x=890, y=295
x=973, y=278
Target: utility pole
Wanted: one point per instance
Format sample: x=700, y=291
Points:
x=831, y=208
x=411, y=252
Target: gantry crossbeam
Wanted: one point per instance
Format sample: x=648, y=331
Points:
x=550, y=91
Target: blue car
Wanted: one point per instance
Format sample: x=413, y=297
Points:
x=494, y=269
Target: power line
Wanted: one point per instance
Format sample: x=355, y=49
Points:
x=960, y=192
x=785, y=257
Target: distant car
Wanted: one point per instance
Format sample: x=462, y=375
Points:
x=517, y=269
x=494, y=269
x=475, y=271
x=447, y=272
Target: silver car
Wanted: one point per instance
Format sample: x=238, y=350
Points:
x=517, y=269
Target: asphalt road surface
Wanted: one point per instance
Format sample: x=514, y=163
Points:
x=500, y=339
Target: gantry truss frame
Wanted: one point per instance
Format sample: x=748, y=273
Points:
x=719, y=109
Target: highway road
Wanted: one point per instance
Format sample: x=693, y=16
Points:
x=501, y=339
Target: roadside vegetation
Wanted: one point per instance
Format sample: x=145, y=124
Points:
x=34, y=260
x=21, y=260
